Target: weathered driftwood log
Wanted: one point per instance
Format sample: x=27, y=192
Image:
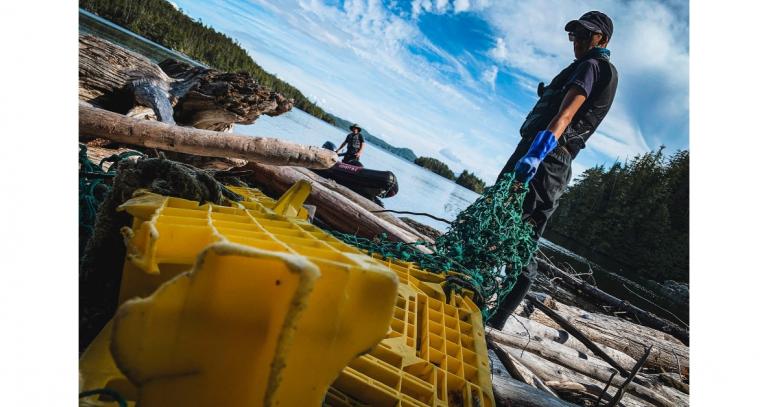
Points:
x=552, y=368
x=632, y=339
x=609, y=320
x=553, y=351
x=522, y=326
x=510, y=392
x=334, y=209
x=628, y=381
x=95, y=122
x=367, y=204
x=563, y=323
x=645, y=317
x=122, y=81
x=504, y=384
x=518, y=370
x=581, y=363
x=216, y=100
x=107, y=72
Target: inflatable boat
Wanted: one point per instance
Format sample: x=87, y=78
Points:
x=372, y=184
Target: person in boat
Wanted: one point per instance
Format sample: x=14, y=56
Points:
x=566, y=114
x=355, y=144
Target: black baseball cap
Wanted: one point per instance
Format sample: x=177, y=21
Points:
x=594, y=21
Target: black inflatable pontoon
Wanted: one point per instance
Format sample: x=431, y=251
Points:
x=371, y=184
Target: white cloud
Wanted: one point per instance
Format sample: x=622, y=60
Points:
x=649, y=48
x=489, y=76
x=461, y=5
x=441, y=6
x=449, y=154
x=360, y=61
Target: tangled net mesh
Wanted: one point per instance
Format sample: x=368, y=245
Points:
x=488, y=245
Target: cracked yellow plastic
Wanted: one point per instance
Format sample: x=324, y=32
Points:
x=220, y=334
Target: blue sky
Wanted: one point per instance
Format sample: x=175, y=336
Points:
x=454, y=79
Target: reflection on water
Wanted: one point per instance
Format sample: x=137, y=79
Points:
x=95, y=25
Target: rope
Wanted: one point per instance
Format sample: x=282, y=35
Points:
x=93, y=188
x=488, y=244
x=414, y=213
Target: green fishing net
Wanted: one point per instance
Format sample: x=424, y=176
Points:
x=94, y=185
x=488, y=245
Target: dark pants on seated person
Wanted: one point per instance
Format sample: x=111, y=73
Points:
x=544, y=191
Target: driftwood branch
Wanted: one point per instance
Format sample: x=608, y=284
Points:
x=669, y=354
x=619, y=393
x=333, y=208
x=126, y=82
x=552, y=367
x=215, y=100
x=645, y=317
x=524, y=327
x=577, y=334
x=95, y=122
x=518, y=370
x=366, y=203
x=509, y=392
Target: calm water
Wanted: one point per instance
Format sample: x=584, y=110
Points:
x=420, y=190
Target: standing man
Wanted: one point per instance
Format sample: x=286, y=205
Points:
x=355, y=144
x=568, y=111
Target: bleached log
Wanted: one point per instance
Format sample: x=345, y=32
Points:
x=632, y=339
x=557, y=367
x=578, y=362
x=549, y=371
x=367, y=204
x=522, y=326
x=556, y=352
x=647, y=318
x=333, y=208
x=512, y=393
x=516, y=369
x=95, y=122
x=110, y=76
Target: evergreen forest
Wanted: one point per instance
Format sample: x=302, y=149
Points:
x=470, y=181
x=438, y=167
x=635, y=214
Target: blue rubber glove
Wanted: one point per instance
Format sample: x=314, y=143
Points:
x=526, y=167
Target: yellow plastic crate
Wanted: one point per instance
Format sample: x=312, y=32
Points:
x=344, y=312
x=434, y=353
x=289, y=205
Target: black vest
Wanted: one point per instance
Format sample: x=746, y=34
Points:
x=588, y=117
x=354, y=142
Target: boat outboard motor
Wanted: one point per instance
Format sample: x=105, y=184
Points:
x=393, y=187
x=329, y=146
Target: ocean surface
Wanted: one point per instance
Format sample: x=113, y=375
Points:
x=419, y=189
